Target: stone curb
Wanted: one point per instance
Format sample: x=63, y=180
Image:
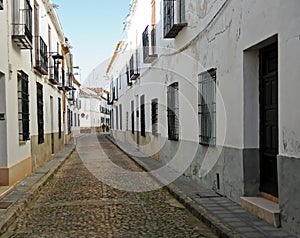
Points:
x=220, y=228
x=14, y=211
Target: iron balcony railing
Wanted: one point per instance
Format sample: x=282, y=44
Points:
x=41, y=59
x=69, y=82
x=62, y=83
x=54, y=72
x=134, y=67
x=174, y=17
x=22, y=25
x=149, y=45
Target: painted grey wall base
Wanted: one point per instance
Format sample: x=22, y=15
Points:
x=251, y=172
x=289, y=192
x=231, y=172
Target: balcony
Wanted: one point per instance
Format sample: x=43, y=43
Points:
x=134, y=67
x=54, y=74
x=174, y=17
x=71, y=97
x=62, y=84
x=22, y=25
x=41, y=59
x=129, y=82
x=69, y=84
x=1, y=4
x=149, y=45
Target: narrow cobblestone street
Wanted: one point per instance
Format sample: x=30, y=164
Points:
x=76, y=204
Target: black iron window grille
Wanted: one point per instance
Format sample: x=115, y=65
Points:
x=23, y=106
x=112, y=126
x=132, y=117
x=173, y=111
x=1, y=5
x=22, y=23
x=59, y=118
x=174, y=17
x=41, y=59
x=154, y=116
x=149, y=44
x=117, y=118
x=207, y=107
x=40, y=112
x=121, y=119
x=78, y=120
x=143, y=124
x=69, y=119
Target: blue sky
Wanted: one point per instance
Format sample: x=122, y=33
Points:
x=93, y=28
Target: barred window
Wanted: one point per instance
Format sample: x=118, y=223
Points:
x=69, y=119
x=120, y=108
x=143, y=126
x=117, y=118
x=207, y=107
x=23, y=106
x=40, y=113
x=112, y=126
x=173, y=112
x=154, y=116
x=59, y=118
x=132, y=117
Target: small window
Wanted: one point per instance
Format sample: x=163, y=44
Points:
x=40, y=113
x=207, y=107
x=173, y=112
x=23, y=106
x=1, y=4
x=154, y=116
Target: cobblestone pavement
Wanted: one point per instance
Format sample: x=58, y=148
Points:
x=76, y=204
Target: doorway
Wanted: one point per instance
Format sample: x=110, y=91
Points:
x=52, y=125
x=269, y=119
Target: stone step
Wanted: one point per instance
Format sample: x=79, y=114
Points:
x=262, y=208
x=4, y=190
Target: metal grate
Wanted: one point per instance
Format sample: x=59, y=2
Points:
x=40, y=113
x=173, y=112
x=207, y=107
x=23, y=106
x=154, y=116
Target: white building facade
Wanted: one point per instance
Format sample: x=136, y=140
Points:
x=213, y=85
x=35, y=74
x=94, y=111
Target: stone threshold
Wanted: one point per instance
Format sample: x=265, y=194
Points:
x=265, y=209
x=5, y=190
